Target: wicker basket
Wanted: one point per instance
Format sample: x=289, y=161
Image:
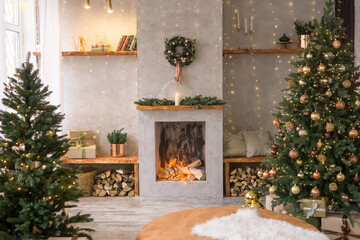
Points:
x=86, y=180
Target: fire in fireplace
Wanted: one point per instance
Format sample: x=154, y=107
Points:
x=180, y=151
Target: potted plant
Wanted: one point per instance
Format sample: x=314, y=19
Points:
x=303, y=31
x=117, y=141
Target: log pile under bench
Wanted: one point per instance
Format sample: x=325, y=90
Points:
x=242, y=180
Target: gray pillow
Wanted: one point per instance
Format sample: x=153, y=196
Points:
x=234, y=145
x=257, y=143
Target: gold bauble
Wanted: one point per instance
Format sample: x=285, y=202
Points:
x=299, y=162
x=321, y=158
x=315, y=192
x=319, y=144
x=340, y=177
x=342, y=68
x=346, y=84
x=302, y=83
x=301, y=175
x=306, y=69
x=309, y=56
x=303, y=98
x=295, y=189
x=333, y=187
x=336, y=44
x=303, y=133
x=291, y=83
x=326, y=56
x=353, y=159
x=345, y=197
x=300, y=69
x=328, y=93
x=272, y=189
x=251, y=195
x=330, y=127
x=289, y=126
x=260, y=173
x=321, y=67
x=353, y=133
x=293, y=153
x=315, y=116
x=340, y=104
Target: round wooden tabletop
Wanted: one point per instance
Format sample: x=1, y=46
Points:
x=178, y=225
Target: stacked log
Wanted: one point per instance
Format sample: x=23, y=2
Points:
x=242, y=180
x=114, y=183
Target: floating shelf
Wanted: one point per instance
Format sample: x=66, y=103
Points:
x=244, y=160
x=104, y=159
x=181, y=107
x=93, y=53
x=261, y=51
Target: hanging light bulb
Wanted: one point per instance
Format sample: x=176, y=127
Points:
x=109, y=5
x=87, y=4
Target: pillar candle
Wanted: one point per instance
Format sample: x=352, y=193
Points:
x=245, y=25
x=177, y=99
x=252, y=24
x=237, y=21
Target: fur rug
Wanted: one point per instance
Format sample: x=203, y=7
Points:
x=246, y=224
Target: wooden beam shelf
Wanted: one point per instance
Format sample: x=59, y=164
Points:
x=261, y=51
x=103, y=159
x=181, y=107
x=93, y=53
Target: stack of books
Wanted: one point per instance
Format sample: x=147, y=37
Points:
x=127, y=43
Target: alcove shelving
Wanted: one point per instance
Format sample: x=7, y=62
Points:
x=262, y=51
x=93, y=53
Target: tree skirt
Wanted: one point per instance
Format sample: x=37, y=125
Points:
x=246, y=224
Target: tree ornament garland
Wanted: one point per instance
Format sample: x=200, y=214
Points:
x=181, y=59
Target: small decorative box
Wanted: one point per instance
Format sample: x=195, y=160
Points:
x=315, y=207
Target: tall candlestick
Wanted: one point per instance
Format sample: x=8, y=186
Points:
x=177, y=99
x=245, y=26
x=252, y=24
x=237, y=21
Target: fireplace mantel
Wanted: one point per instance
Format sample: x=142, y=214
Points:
x=181, y=107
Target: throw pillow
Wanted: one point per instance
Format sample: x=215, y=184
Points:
x=257, y=142
x=234, y=145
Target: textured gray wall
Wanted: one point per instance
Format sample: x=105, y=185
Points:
x=253, y=83
x=99, y=92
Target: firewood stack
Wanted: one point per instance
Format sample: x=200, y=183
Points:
x=242, y=180
x=114, y=183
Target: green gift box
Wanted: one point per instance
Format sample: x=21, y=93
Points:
x=315, y=207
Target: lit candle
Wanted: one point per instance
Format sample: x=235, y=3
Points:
x=252, y=24
x=245, y=26
x=177, y=99
x=237, y=21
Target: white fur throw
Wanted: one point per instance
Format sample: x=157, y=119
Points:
x=246, y=224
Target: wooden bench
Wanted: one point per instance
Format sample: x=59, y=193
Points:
x=227, y=162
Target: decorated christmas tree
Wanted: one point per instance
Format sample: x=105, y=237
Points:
x=315, y=153
x=35, y=186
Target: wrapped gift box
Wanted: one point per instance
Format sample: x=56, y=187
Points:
x=278, y=208
x=82, y=152
x=334, y=222
x=315, y=207
x=86, y=134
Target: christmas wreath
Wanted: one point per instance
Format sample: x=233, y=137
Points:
x=177, y=59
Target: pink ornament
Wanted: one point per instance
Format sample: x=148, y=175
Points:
x=266, y=174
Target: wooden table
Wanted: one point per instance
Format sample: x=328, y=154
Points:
x=178, y=225
x=107, y=159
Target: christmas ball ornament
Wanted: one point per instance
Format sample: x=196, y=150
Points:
x=306, y=69
x=291, y=83
x=342, y=68
x=279, y=130
x=295, y=189
x=328, y=93
x=315, y=192
x=353, y=133
x=300, y=69
x=260, y=173
x=272, y=172
x=321, y=67
x=301, y=175
x=352, y=79
x=303, y=133
x=272, y=189
x=324, y=80
x=309, y=56
x=315, y=116
x=276, y=122
x=336, y=44
x=344, y=37
x=330, y=127
x=299, y=162
x=346, y=84
x=316, y=85
x=327, y=56
x=313, y=152
x=345, y=197
x=273, y=152
x=353, y=159
x=340, y=104
x=266, y=174
x=304, y=98
x=302, y=83
x=275, y=146
x=289, y=126
x=306, y=114
x=316, y=175
x=333, y=187
x=319, y=144
x=340, y=177
x=281, y=135
x=293, y=153
x=357, y=103
x=321, y=158
x=356, y=178
x=327, y=135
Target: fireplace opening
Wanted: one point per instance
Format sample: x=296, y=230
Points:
x=180, y=151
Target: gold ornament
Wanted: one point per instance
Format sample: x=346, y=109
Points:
x=293, y=153
x=272, y=189
x=291, y=83
x=340, y=104
x=321, y=67
x=315, y=192
x=315, y=116
x=300, y=69
x=342, y=68
x=303, y=99
x=303, y=133
x=353, y=159
x=353, y=133
x=295, y=189
x=340, y=177
x=326, y=56
x=252, y=200
x=328, y=93
x=306, y=69
x=336, y=44
x=321, y=158
x=302, y=83
x=260, y=173
x=330, y=127
x=301, y=175
x=345, y=197
x=319, y=144
x=309, y=56
x=333, y=187
x=357, y=103
x=289, y=126
x=299, y=162
x=346, y=84
x=324, y=80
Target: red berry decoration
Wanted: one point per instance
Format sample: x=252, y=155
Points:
x=266, y=174
x=316, y=175
x=272, y=172
x=313, y=152
x=276, y=122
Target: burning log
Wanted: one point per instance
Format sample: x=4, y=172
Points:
x=177, y=172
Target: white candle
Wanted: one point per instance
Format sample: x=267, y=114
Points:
x=245, y=25
x=252, y=24
x=177, y=99
x=237, y=21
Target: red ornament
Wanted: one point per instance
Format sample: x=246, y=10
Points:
x=313, y=152
x=344, y=37
x=293, y=154
x=306, y=114
x=356, y=178
x=295, y=109
x=273, y=152
x=327, y=135
x=300, y=69
x=316, y=85
x=316, y=175
x=279, y=130
x=352, y=79
x=272, y=172
x=276, y=122
x=281, y=135
x=266, y=174
x=275, y=146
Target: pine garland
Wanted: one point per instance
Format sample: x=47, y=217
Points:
x=187, y=101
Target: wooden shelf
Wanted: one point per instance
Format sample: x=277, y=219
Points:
x=93, y=53
x=104, y=159
x=244, y=160
x=262, y=51
x=181, y=107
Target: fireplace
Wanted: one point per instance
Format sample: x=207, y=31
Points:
x=180, y=151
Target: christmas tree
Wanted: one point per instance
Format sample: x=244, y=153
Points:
x=35, y=187
x=316, y=150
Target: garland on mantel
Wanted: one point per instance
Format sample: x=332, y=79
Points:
x=187, y=101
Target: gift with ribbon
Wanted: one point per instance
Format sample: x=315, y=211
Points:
x=80, y=137
x=82, y=144
x=315, y=207
x=337, y=226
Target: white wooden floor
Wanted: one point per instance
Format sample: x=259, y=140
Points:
x=120, y=218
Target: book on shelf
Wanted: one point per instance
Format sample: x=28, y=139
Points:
x=127, y=43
